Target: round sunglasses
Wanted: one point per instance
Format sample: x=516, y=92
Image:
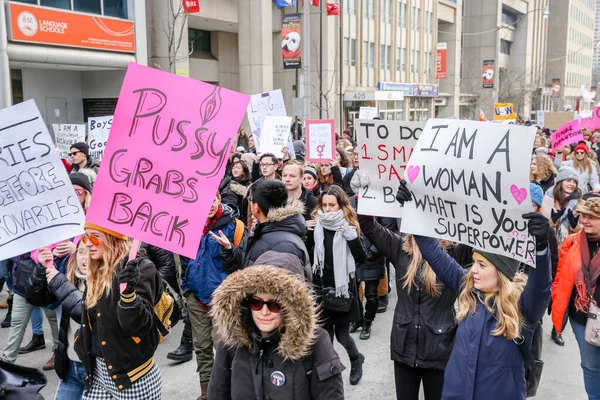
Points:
x=257, y=304
x=93, y=239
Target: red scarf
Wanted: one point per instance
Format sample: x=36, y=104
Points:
x=210, y=222
x=582, y=300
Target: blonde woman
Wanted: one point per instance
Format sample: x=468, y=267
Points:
x=498, y=307
x=542, y=172
x=586, y=168
x=117, y=338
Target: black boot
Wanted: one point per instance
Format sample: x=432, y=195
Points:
x=557, y=338
x=185, y=351
x=37, y=343
x=356, y=369
x=6, y=322
x=366, y=330
x=383, y=303
x=355, y=326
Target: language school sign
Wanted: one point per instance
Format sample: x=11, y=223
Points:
x=470, y=185
x=384, y=149
x=169, y=144
x=38, y=205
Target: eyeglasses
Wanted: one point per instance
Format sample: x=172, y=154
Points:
x=75, y=153
x=250, y=199
x=263, y=165
x=93, y=239
x=80, y=192
x=258, y=304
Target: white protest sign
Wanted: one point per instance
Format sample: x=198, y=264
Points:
x=98, y=131
x=367, y=112
x=66, y=135
x=38, y=205
x=264, y=105
x=540, y=118
x=470, y=183
x=320, y=140
x=384, y=148
x=275, y=135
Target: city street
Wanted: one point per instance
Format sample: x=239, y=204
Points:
x=561, y=379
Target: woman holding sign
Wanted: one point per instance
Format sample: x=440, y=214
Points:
x=498, y=311
x=117, y=338
x=338, y=250
x=586, y=168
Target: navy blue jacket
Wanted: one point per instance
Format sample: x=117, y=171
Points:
x=483, y=366
x=205, y=272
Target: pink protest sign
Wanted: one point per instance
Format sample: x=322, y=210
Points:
x=165, y=157
x=320, y=140
x=567, y=134
x=593, y=123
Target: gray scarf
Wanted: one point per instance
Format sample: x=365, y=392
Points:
x=343, y=262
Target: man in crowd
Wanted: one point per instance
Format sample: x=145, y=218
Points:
x=293, y=172
x=80, y=153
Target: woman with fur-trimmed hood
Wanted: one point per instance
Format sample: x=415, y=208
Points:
x=271, y=346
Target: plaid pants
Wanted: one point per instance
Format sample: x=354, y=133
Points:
x=148, y=387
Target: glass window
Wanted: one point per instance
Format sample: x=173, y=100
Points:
x=88, y=6
x=64, y=4
x=351, y=6
x=366, y=54
x=505, y=46
x=346, y=50
x=16, y=79
x=371, y=55
x=353, y=52
x=115, y=8
x=28, y=2
x=199, y=41
x=365, y=8
x=403, y=56
x=382, y=56
x=509, y=17
x=388, y=57
x=371, y=9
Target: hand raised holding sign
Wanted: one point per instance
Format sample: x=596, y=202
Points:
x=46, y=258
x=403, y=194
x=538, y=227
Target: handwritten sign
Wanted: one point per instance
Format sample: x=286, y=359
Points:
x=98, y=130
x=384, y=148
x=66, y=135
x=263, y=105
x=567, y=134
x=470, y=185
x=592, y=123
x=275, y=135
x=165, y=157
x=320, y=140
x=367, y=112
x=38, y=205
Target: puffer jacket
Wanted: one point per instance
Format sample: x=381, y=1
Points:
x=483, y=366
x=233, y=192
x=424, y=327
x=284, y=231
x=300, y=363
x=588, y=181
x=205, y=272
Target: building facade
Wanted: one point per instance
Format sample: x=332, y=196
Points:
x=596, y=57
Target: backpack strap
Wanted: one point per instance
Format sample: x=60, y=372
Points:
x=308, y=363
x=239, y=233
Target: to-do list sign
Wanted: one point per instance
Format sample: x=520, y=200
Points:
x=38, y=205
x=67, y=135
x=470, y=184
x=384, y=148
x=320, y=140
x=165, y=157
x=98, y=131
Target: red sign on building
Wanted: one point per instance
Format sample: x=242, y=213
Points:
x=440, y=61
x=191, y=6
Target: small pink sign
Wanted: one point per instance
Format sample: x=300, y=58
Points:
x=320, y=140
x=165, y=157
x=567, y=134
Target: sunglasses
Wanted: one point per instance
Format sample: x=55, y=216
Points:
x=93, y=239
x=258, y=304
x=80, y=192
x=74, y=153
x=580, y=152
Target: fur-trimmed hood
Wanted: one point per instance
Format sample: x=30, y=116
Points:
x=238, y=188
x=299, y=309
x=294, y=206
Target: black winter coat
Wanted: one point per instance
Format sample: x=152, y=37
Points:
x=125, y=329
x=164, y=260
x=424, y=326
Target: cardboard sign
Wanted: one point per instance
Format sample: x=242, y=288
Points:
x=470, y=184
x=320, y=140
x=165, y=158
x=384, y=148
x=66, y=135
x=275, y=135
x=567, y=134
x=261, y=106
x=554, y=120
x=98, y=131
x=367, y=112
x=38, y=205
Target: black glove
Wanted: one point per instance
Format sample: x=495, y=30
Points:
x=403, y=194
x=557, y=214
x=538, y=227
x=130, y=274
x=573, y=220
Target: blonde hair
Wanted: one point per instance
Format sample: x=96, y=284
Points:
x=100, y=272
x=72, y=265
x=504, y=304
x=545, y=168
x=583, y=165
x=421, y=269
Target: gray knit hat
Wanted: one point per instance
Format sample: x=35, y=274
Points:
x=506, y=265
x=565, y=172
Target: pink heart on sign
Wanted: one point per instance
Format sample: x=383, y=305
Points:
x=520, y=194
x=413, y=172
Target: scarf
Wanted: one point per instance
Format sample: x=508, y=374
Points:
x=562, y=228
x=343, y=261
x=210, y=222
x=582, y=299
